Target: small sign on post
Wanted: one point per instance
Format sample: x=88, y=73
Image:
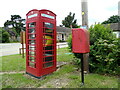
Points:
x=23, y=39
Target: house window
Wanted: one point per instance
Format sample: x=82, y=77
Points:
x=62, y=37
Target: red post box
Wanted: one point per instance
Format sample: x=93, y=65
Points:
x=80, y=40
x=80, y=44
x=40, y=42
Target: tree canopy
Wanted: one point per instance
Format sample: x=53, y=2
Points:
x=16, y=22
x=112, y=19
x=70, y=20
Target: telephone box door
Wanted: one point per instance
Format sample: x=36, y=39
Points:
x=49, y=41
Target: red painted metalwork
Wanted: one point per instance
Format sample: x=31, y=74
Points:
x=80, y=41
x=40, y=42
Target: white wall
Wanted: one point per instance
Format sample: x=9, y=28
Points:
x=117, y=34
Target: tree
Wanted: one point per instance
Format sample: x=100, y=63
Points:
x=16, y=22
x=112, y=19
x=70, y=20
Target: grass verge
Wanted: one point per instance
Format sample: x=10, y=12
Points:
x=17, y=63
x=13, y=63
x=65, y=77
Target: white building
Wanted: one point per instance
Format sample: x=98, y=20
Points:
x=63, y=33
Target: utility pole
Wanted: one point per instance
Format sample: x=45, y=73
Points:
x=84, y=5
x=119, y=8
x=84, y=8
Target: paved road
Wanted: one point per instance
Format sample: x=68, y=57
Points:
x=13, y=48
x=9, y=48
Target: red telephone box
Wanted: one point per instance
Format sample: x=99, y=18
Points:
x=40, y=42
x=80, y=40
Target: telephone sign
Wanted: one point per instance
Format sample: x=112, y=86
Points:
x=40, y=42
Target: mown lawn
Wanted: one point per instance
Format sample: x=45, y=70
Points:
x=13, y=63
x=17, y=63
x=65, y=77
x=63, y=54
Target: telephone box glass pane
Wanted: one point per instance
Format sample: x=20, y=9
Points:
x=48, y=64
x=32, y=42
x=32, y=36
x=49, y=59
x=32, y=30
x=31, y=48
x=49, y=53
x=49, y=47
x=32, y=53
x=48, y=25
x=47, y=41
x=47, y=36
x=33, y=24
x=48, y=30
x=32, y=64
x=31, y=58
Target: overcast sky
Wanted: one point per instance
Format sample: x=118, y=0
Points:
x=98, y=10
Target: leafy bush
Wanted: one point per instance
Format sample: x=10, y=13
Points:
x=4, y=35
x=104, y=50
x=70, y=42
x=99, y=31
x=104, y=56
x=0, y=35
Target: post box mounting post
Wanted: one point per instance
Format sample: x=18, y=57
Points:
x=82, y=69
x=80, y=44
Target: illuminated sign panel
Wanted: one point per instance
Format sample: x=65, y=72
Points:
x=48, y=16
x=33, y=15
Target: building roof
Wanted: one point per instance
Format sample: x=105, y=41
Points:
x=10, y=31
x=115, y=26
x=63, y=29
